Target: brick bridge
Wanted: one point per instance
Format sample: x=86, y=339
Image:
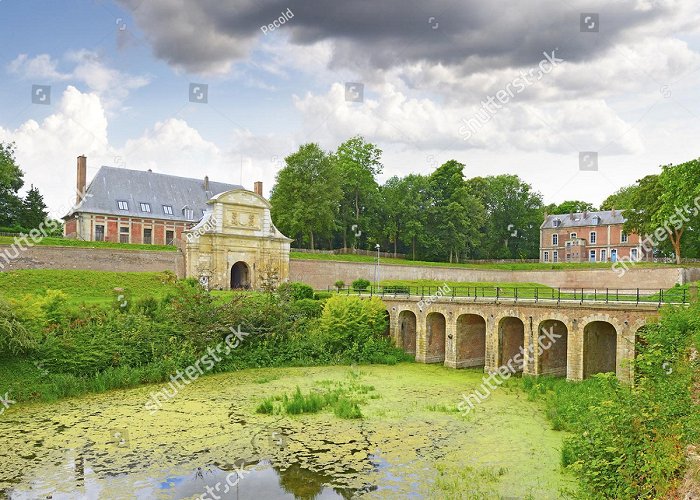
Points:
x=465, y=332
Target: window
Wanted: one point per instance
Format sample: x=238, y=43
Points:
x=568, y=244
x=555, y=240
x=634, y=255
x=124, y=234
x=189, y=213
x=148, y=236
x=593, y=237
x=146, y=207
x=546, y=256
x=591, y=256
x=603, y=255
x=170, y=237
x=556, y=223
x=99, y=232
x=596, y=220
x=572, y=236
x=555, y=256
x=623, y=237
x=123, y=205
x=167, y=209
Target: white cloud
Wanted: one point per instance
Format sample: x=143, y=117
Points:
x=111, y=85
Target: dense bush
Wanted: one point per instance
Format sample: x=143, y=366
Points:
x=360, y=285
x=296, y=291
x=123, y=342
x=629, y=441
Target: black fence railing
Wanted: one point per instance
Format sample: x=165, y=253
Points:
x=680, y=295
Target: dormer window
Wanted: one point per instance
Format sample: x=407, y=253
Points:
x=188, y=213
x=556, y=223
x=122, y=205
x=167, y=209
x=145, y=207
x=596, y=220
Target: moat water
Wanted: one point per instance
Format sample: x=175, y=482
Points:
x=208, y=442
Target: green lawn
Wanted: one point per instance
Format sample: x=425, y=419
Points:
x=520, y=266
x=65, y=242
x=84, y=286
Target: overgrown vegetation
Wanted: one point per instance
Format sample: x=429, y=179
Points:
x=343, y=398
x=630, y=441
x=56, y=343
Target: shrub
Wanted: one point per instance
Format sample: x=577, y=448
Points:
x=340, y=284
x=295, y=291
x=360, y=285
x=306, y=308
x=322, y=295
x=347, y=409
x=15, y=335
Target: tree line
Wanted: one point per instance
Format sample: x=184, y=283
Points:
x=18, y=214
x=332, y=200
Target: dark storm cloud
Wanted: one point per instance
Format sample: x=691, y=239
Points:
x=473, y=35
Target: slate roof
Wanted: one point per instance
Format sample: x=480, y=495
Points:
x=111, y=185
x=606, y=217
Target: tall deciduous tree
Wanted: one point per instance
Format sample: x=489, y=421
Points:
x=514, y=215
x=307, y=194
x=569, y=207
x=11, y=181
x=358, y=163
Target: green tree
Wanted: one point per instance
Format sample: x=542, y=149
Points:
x=455, y=216
x=678, y=208
x=358, y=163
x=514, y=213
x=33, y=212
x=306, y=195
x=620, y=199
x=11, y=181
x=569, y=207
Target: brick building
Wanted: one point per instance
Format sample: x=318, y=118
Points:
x=588, y=237
x=133, y=206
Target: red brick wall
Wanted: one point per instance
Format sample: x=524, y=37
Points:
x=136, y=232
x=112, y=231
x=70, y=227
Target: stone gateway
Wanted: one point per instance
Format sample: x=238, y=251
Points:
x=236, y=245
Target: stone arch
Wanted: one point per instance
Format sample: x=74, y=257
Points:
x=470, y=340
x=511, y=342
x=240, y=275
x=387, y=328
x=551, y=347
x=599, y=348
x=407, y=332
x=436, y=325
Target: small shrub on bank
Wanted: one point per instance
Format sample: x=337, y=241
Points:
x=360, y=285
x=295, y=291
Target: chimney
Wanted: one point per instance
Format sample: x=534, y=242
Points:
x=258, y=188
x=571, y=215
x=206, y=183
x=585, y=214
x=612, y=212
x=81, y=179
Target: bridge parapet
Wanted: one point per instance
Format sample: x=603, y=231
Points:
x=567, y=337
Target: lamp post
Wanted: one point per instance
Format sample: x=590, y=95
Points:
x=376, y=269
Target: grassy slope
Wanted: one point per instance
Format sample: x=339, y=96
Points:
x=64, y=242
x=521, y=266
x=82, y=286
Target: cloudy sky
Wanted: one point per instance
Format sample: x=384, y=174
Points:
x=223, y=88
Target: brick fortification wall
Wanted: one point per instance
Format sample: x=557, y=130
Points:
x=95, y=259
x=322, y=274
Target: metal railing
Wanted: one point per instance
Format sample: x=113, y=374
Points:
x=634, y=296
